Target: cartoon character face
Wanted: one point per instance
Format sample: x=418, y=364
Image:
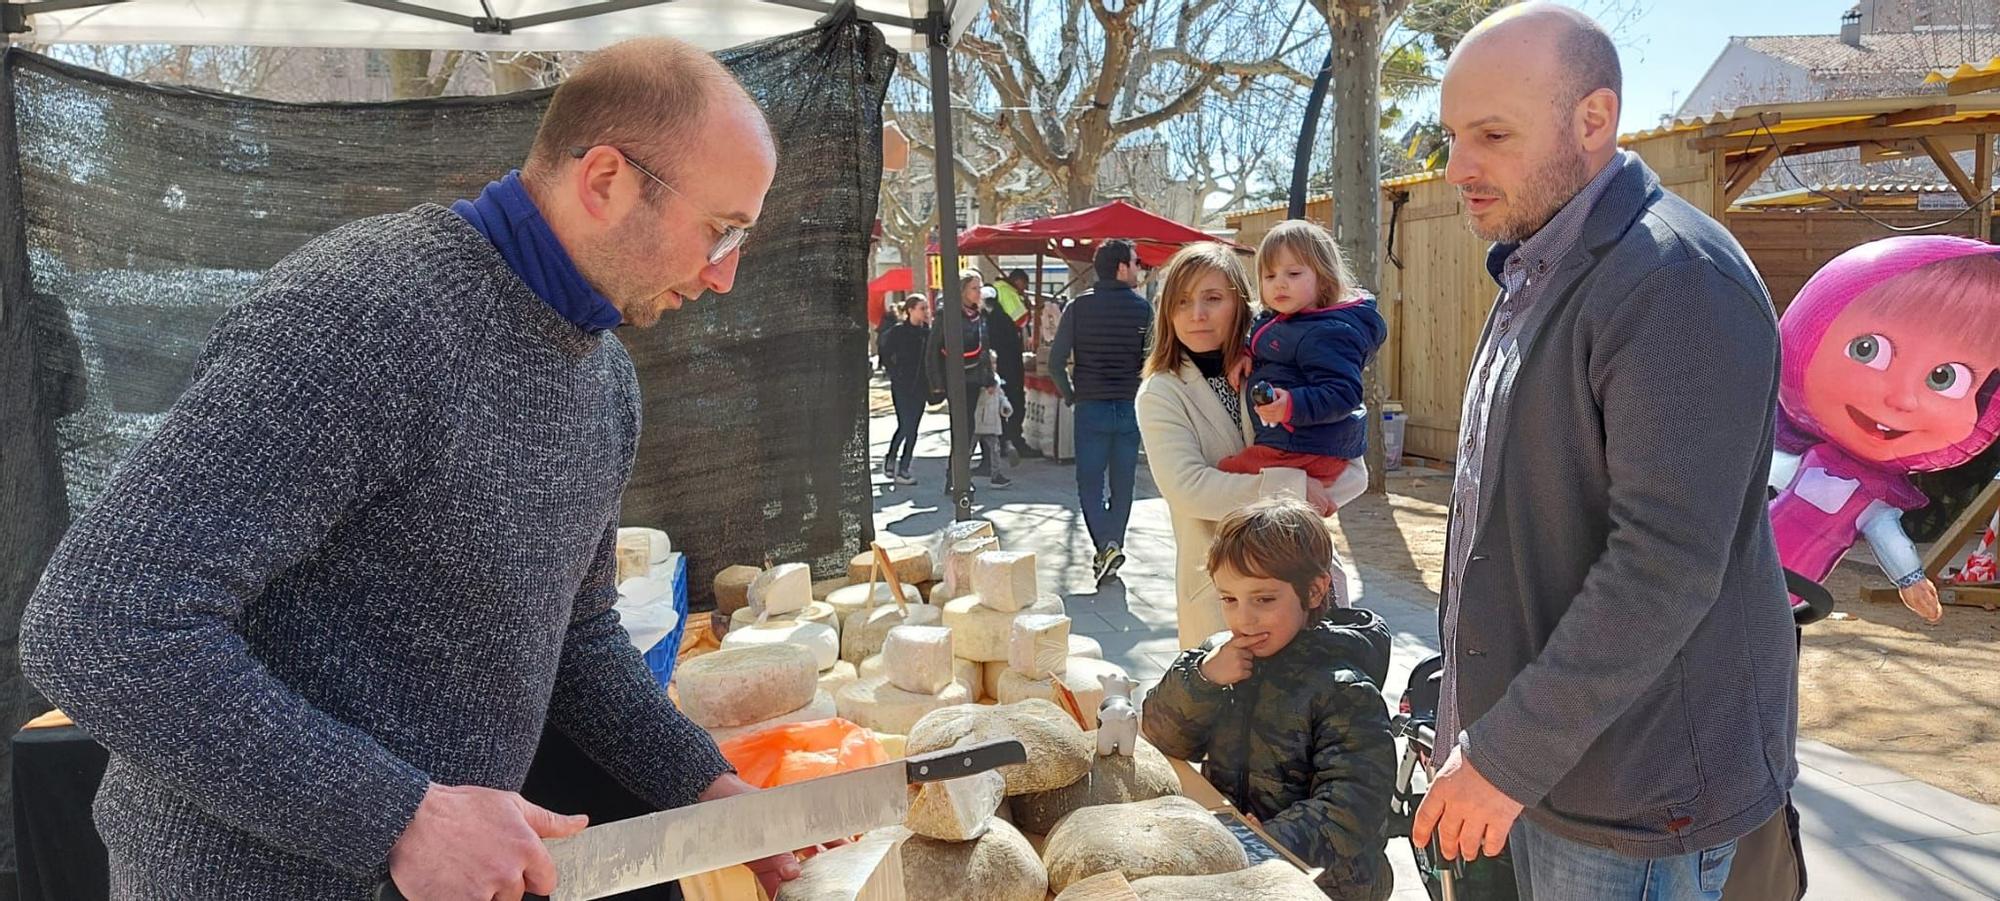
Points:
x=1885, y=388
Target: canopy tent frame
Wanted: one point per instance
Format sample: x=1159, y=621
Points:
x=933, y=31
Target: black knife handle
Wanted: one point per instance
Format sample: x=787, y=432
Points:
x=966, y=761
x=386, y=891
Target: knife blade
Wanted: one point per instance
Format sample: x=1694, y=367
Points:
x=661, y=847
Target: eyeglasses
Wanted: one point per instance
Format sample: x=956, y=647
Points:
x=731, y=237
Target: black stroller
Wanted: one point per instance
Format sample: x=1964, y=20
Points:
x=1415, y=722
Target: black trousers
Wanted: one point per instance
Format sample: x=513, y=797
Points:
x=1017, y=395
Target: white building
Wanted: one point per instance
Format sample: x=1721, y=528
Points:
x=1883, y=47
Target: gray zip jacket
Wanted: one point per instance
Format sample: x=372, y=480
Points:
x=1625, y=658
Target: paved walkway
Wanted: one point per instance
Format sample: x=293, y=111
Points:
x=1872, y=834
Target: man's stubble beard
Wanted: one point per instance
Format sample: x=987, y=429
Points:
x=1559, y=178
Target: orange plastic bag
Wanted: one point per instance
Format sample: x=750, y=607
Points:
x=795, y=752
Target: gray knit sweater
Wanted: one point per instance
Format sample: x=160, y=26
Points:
x=371, y=547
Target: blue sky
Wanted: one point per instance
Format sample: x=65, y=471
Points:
x=1669, y=48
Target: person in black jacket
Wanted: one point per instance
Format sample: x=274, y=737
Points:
x=1003, y=331
x=1106, y=331
x=902, y=352
x=973, y=355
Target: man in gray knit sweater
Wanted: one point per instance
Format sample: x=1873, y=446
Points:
x=320, y=618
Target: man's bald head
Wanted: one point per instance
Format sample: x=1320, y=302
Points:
x=1530, y=100
x=1578, y=49
x=644, y=96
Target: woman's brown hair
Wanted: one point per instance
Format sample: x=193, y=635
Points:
x=1183, y=271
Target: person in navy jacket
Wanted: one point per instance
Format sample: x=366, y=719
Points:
x=1316, y=335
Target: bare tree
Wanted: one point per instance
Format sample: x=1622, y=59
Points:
x=413, y=74
x=1068, y=94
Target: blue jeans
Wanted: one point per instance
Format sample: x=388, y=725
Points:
x=1107, y=437
x=1548, y=867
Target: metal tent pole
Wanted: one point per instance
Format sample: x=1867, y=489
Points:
x=938, y=23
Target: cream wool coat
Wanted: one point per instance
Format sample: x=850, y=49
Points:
x=1186, y=432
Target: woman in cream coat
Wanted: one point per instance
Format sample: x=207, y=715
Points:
x=1190, y=418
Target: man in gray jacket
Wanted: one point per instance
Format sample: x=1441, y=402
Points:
x=1620, y=692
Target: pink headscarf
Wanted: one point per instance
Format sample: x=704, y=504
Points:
x=1829, y=292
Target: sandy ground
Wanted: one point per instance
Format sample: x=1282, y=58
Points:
x=1874, y=680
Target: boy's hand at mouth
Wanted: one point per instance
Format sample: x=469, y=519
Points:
x=1230, y=662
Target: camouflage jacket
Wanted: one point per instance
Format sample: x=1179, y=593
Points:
x=1303, y=745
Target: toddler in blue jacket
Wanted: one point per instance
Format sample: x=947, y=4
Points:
x=1315, y=336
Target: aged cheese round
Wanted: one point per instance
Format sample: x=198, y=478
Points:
x=845, y=601
x=1080, y=674
x=1113, y=779
x=732, y=588
x=816, y=612
x=821, y=708
x=1059, y=753
x=819, y=638
x=982, y=633
x=840, y=676
x=824, y=588
x=735, y=686
x=912, y=565
x=1166, y=836
x=661, y=547
x=997, y=866
x=1272, y=880
x=876, y=704
x=863, y=632
x=1085, y=646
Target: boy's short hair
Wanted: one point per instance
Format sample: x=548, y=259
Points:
x=1277, y=538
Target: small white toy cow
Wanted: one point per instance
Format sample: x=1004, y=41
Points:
x=1117, y=719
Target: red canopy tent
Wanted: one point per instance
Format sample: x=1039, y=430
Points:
x=897, y=279
x=1075, y=236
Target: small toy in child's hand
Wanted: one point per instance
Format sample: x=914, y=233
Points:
x=1263, y=393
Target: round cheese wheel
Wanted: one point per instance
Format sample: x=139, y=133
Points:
x=1080, y=676
x=819, y=638
x=1169, y=836
x=981, y=633
x=876, y=704
x=862, y=633
x=820, y=708
x=735, y=686
x=816, y=612
x=845, y=601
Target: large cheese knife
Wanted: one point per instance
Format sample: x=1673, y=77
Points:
x=665, y=846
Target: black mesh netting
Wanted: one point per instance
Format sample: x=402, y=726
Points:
x=131, y=215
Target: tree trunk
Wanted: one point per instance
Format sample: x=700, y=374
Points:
x=1357, y=219
x=410, y=73
x=522, y=72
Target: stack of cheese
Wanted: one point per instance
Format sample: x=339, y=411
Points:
x=959, y=847
x=954, y=547
x=1038, y=657
x=1002, y=591
x=739, y=690
x=780, y=610
x=917, y=675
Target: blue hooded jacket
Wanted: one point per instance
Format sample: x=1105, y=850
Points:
x=1318, y=356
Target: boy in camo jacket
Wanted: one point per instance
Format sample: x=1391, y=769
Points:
x=1284, y=710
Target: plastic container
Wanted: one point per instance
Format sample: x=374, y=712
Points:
x=1394, y=422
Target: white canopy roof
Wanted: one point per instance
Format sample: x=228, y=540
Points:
x=711, y=24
